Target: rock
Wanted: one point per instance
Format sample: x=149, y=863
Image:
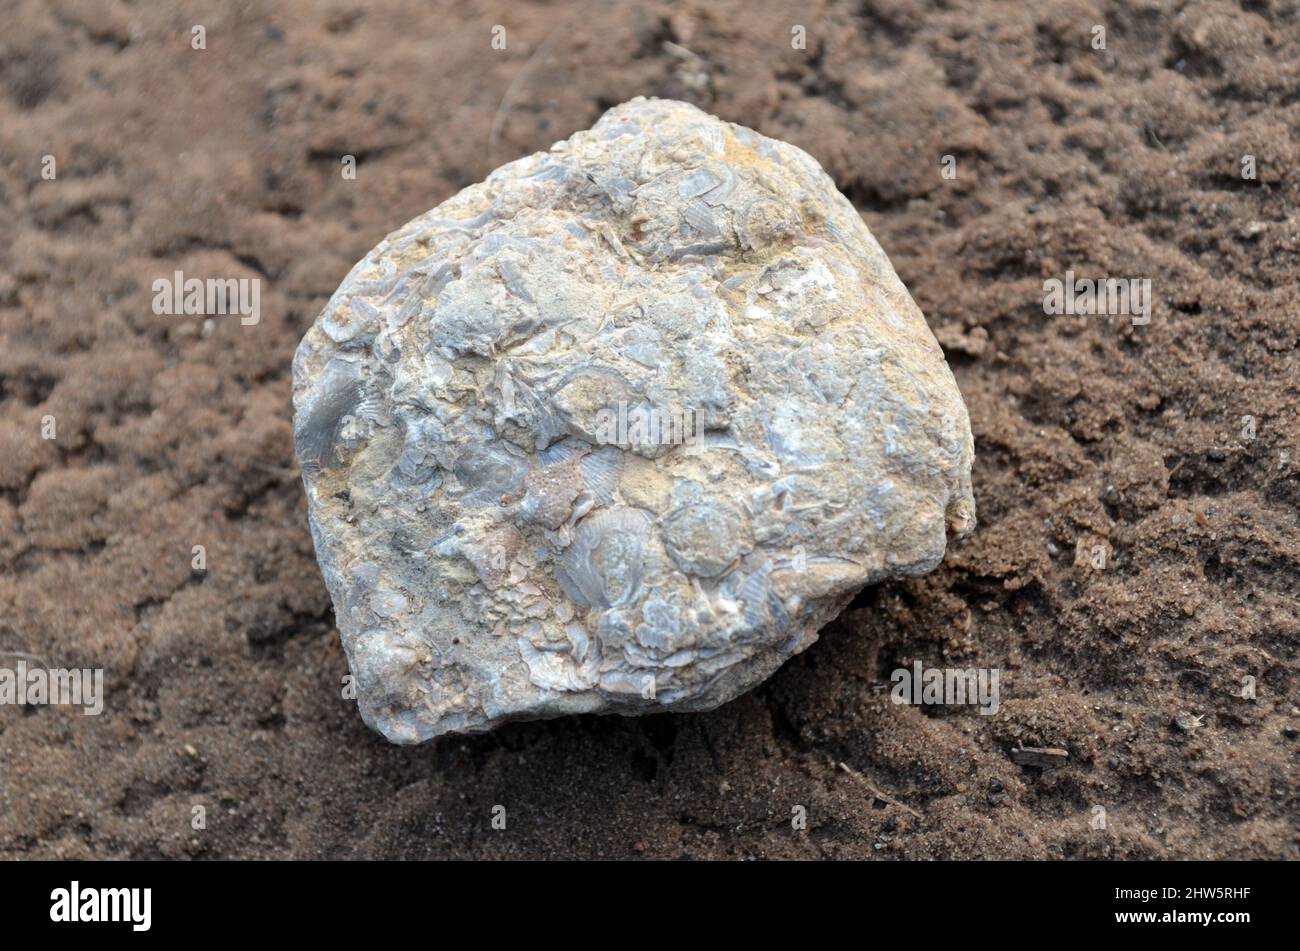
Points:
x=1043, y=757
x=618, y=430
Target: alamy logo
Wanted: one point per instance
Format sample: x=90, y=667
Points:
x=646, y=425
x=949, y=686
x=21, y=685
x=74, y=904
x=176, y=295
x=1110, y=297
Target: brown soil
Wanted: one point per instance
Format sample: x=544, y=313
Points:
x=223, y=686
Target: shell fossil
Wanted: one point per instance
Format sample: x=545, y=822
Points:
x=786, y=430
x=705, y=538
x=603, y=565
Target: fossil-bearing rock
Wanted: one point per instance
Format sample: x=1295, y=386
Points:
x=618, y=429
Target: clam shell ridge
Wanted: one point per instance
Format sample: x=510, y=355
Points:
x=618, y=430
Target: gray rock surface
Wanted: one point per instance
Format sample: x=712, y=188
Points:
x=618, y=430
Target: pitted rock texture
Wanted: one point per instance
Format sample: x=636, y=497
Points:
x=618, y=430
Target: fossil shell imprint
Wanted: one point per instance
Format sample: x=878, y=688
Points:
x=618, y=429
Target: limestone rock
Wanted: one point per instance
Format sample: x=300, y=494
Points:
x=618, y=430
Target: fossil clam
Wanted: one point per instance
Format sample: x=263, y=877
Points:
x=705, y=538
x=603, y=566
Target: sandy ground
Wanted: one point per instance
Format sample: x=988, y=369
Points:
x=1092, y=434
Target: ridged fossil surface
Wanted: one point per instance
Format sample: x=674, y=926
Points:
x=618, y=430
